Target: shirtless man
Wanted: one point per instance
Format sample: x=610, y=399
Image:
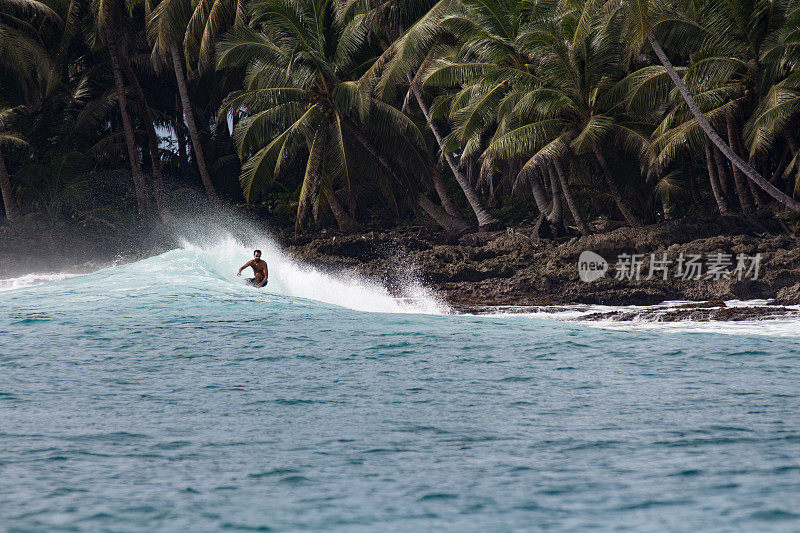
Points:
x=259, y=269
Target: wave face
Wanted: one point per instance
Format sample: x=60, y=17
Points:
x=167, y=395
x=206, y=269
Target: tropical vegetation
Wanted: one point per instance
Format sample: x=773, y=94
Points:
x=465, y=113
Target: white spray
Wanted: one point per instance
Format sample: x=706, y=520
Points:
x=294, y=279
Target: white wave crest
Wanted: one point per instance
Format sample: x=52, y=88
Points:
x=777, y=326
x=29, y=280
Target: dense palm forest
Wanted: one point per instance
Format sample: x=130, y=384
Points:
x=344, y=113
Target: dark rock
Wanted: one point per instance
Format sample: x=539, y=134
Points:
x=519, y=267
x=789, y=295
x=542, y=229
x=695, y=313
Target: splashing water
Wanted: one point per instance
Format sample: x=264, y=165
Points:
x=294, y=279
x=211, y=268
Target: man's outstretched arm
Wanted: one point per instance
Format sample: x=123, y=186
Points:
x=249, y=263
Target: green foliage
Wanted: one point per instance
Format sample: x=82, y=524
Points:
x=320, y=99
x=300, y=99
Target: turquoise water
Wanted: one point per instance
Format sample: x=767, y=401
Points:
x=166, y=395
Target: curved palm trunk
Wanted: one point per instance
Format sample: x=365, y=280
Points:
x=347, y=224
x=722, y=172
x=539, y=196
x=194, y=134
x=142, y=198
x=738, y=179
x=152, y=139
x=557, y=210
x=793, y=154
x=441, y=190
x=453, y=225
x=485, y=219
x=737, y=161
x=309, y=190
x=495, y=184
x=467, y=165
x=573, y=207
x=9, y=202
x=622, y=205
x=755, y=192
x=719, y=196
x=486, y=179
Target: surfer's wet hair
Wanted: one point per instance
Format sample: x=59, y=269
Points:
x=256, y=252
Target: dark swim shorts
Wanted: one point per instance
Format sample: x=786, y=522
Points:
x=252, y=281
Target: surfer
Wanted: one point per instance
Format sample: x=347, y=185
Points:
x=259, y=270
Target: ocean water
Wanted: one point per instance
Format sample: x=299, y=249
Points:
x=166, y=395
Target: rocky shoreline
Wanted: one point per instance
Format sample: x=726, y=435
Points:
x=515, y=268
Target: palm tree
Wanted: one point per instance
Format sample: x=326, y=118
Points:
x=642, y=29
x=573, y=108
x=109, y=16
x=716, y=189
x=199, y=25
x=300, y=97
x=771, y=122
x=167, y=28
x=9, y=200
x=648, y=91
x=485, y=219
x=492, y=69
x=23, y=54
x=403, y=61
x=23, y=58
x=389, y=17
x=736, y=58
x=152, y=138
